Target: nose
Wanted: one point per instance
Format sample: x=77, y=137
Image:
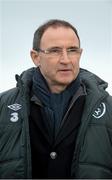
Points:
x=64, y=57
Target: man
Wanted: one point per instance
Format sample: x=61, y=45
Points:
x=57, y=122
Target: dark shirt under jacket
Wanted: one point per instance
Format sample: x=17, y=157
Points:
x=53, y=128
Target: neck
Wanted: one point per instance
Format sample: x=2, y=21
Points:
x=57, y=88
x=54, y=87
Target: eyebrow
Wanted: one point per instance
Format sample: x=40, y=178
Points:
x=57, y=47
x=75, y=47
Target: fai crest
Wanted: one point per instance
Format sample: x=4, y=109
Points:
x=100, y=111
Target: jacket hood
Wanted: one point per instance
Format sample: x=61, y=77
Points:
x=25, y=79
x=89, y=79
x=92, y=81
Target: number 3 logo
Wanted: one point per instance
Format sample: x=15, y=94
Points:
x=14, y=117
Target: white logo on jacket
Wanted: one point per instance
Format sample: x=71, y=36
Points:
x=14, y=115
x=15, y=106
x=100, y=111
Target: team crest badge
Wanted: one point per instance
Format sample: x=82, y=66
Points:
x=100, y=111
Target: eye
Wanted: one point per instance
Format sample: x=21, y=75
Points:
x=73, y=50
x=54, y=50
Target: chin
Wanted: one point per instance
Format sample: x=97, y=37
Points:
x=66, y=81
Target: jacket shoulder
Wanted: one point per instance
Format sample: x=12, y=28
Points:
x=109, y=100
x=8, y=95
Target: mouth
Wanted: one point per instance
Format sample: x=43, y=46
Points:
x=65, y=70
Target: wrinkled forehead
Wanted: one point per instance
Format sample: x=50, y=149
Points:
x=58, y=35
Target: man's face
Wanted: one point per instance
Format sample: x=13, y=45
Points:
x=62, y=69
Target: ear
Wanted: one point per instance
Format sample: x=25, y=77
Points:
x=35, y=57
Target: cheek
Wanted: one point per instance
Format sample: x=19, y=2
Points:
x=47, y=67
x=75, y=64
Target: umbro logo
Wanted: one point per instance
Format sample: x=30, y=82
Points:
x=15, y=107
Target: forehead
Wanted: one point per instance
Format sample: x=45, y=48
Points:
x=58, y=36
